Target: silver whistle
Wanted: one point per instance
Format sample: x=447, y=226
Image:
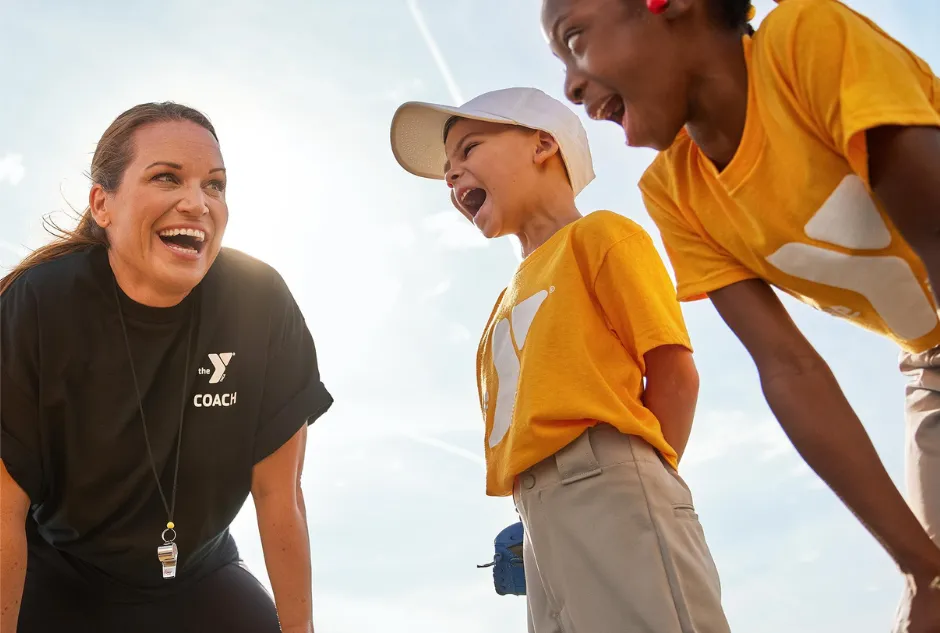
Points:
x=167, y=553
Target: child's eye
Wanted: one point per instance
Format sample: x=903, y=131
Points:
x=466, y=150
x=571, y=40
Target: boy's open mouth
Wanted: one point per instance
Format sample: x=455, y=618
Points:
x=472, y=200
x=188, y=241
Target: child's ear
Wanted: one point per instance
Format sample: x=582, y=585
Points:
x=678, y=8
x=546, y=148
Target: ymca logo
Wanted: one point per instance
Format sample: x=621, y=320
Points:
x=509, y=337
x=849, y=219
x=219, y=365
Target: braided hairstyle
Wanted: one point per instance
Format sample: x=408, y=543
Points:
x=735, y=14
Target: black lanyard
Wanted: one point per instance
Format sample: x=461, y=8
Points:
x=166, y=553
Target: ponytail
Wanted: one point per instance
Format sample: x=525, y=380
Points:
x=87, y=234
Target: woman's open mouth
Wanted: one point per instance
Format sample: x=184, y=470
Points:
x=183, y=241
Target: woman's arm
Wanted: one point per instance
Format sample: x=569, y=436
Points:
x=282, y=522
x=14, y=505
x=671, y=393
x=814, y=413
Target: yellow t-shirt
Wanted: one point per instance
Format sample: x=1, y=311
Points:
x=794, y=206
x=563, y=348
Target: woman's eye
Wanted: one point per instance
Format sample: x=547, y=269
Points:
x=218, y=185
x=165, y=177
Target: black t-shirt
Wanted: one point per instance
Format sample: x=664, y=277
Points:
x=72, y=435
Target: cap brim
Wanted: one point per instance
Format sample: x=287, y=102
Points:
x=417, y=135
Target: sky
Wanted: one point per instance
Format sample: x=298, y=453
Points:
x=396, y=287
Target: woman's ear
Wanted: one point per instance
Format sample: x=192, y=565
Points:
x=98, y=203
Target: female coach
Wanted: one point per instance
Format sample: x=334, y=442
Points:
x=151, y=380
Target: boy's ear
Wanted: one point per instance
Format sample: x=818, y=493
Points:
x=546, y=148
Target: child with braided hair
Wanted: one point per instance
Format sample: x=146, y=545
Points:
x=804, y=155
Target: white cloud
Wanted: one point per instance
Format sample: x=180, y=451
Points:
x=11, y=168
x=454, y=232
x=456, y=609
x=16, y=249
x=404, y=91
x=719, y=434
x=457, y=333
x=440, y=288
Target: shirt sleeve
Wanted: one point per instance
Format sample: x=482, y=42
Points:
x=700, y=264
x=294, y=394
x=19, y=388
x=848, y=74
x=638, y=297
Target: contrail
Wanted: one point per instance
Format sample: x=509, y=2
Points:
x=17, y=249
x=451, y=84
x=445, y=446
x=435, y=52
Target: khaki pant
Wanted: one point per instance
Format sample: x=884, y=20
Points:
x=922, y=455
x=613, y=543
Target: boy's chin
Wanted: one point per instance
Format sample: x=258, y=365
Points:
x=489, y=230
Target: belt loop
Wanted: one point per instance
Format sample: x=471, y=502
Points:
x=577, y=461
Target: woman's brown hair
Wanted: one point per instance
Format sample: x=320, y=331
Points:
x=113, y=154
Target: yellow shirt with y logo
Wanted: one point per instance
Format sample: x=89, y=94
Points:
x=794, y=206
x=564, y=346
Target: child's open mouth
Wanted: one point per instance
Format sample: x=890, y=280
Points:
x=472, y=200
x=610, y=109
x=183, y=241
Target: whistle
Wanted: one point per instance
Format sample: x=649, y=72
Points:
x=167, y=554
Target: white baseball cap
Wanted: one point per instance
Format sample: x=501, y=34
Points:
x=418, y=130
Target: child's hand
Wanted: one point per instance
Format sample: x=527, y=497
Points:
x=925, y=607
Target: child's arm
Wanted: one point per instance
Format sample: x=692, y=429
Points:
x=818, y=419
x=904, y=165
x=639, y=300
x=672, y=392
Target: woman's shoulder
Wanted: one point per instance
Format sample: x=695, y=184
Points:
x=247, y=273
x=56, y=278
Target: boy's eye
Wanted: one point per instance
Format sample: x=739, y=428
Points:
x=466, y=150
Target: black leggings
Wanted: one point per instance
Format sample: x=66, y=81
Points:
x=229, y=600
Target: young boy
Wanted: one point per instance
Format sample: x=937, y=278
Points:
x=588, y=451
x=807, y=156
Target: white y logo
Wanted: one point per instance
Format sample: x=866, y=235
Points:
x=850, y=219
x=219, y=364
x=506, y=353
